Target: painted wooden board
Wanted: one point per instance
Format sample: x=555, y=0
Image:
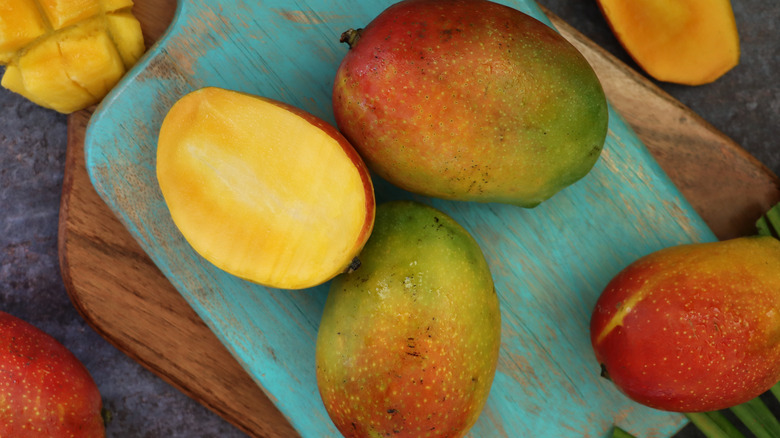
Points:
x=549, y=262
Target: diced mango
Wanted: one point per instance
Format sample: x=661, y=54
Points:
x=91, y=59
x=20, y=23
x=45, y=78
x=126, y=32
x=67, y=54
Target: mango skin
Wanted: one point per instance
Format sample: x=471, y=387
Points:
x=470, y=100
x=46, y=390
x=408, y=344
x=695, y=327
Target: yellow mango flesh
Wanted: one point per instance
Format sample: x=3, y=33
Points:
x=61, y=13
x=262, y=190
x=67, y=54
x=124, y=29
x=20, y=23
x=690, y=42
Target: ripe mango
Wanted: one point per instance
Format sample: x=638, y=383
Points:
x=47, y=391
x=469, y=100
x=408, y=343
x=67, y=54
x=690, y=42
x=694, y=327
x=262, y=189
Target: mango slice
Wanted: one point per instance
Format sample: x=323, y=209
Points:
x=263, y=190
x=689, y=42
x=67, y=54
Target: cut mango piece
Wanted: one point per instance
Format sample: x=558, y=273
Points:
x=91, y=59
x=67, y=54
x=115, y=5
x=61, y=13
x=20, y=23
x=690, y=42
x=126, y=33
x=12, y=80
x=45, y=77
x=263, y=190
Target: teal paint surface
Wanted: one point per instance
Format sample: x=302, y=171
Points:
x=549, y=263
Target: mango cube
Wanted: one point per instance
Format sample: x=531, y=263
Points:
x=63, y=13
x=125, y=29
x=20, y=23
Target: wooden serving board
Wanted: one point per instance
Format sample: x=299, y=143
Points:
x=123, y=295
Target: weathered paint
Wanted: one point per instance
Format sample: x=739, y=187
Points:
x=550, y=263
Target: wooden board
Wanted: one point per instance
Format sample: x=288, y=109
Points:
x=123, y=295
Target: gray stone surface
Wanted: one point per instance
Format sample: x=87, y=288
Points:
x=744, y=104
x=32, y=157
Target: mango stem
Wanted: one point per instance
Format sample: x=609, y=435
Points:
x=351, y=37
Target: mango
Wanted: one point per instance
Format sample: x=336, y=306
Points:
x=408, y=343
x=694, y=327
x=469, y=100
x=263, y=190
x=67, y=55
x=47, y=391
x=689, y=42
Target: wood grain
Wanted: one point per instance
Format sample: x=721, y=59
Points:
x=123, y=296
x=726, y=185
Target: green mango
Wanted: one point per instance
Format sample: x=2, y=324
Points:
x=409, y=342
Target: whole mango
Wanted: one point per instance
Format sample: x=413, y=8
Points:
x=46, y=390
x=408, y=343
x=695, y=327
x=469, y=100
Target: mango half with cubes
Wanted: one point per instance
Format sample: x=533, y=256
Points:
x=67, y=54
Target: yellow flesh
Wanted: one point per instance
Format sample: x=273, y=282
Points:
x=684, y=41
x=67, y=54
x=259, y=191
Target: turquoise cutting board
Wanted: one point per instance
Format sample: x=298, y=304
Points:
x=550, y=263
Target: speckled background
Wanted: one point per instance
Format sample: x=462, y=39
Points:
x=744, y=104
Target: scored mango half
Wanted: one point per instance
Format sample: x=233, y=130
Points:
x=67, y=54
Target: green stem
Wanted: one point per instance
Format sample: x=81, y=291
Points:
x=776, y=391
x=714, y=425
x=758, y=418
x=769, y=223
x=620, y=433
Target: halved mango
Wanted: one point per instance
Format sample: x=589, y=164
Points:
x=263, y=190
x=67, y=54
x=690, y=42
